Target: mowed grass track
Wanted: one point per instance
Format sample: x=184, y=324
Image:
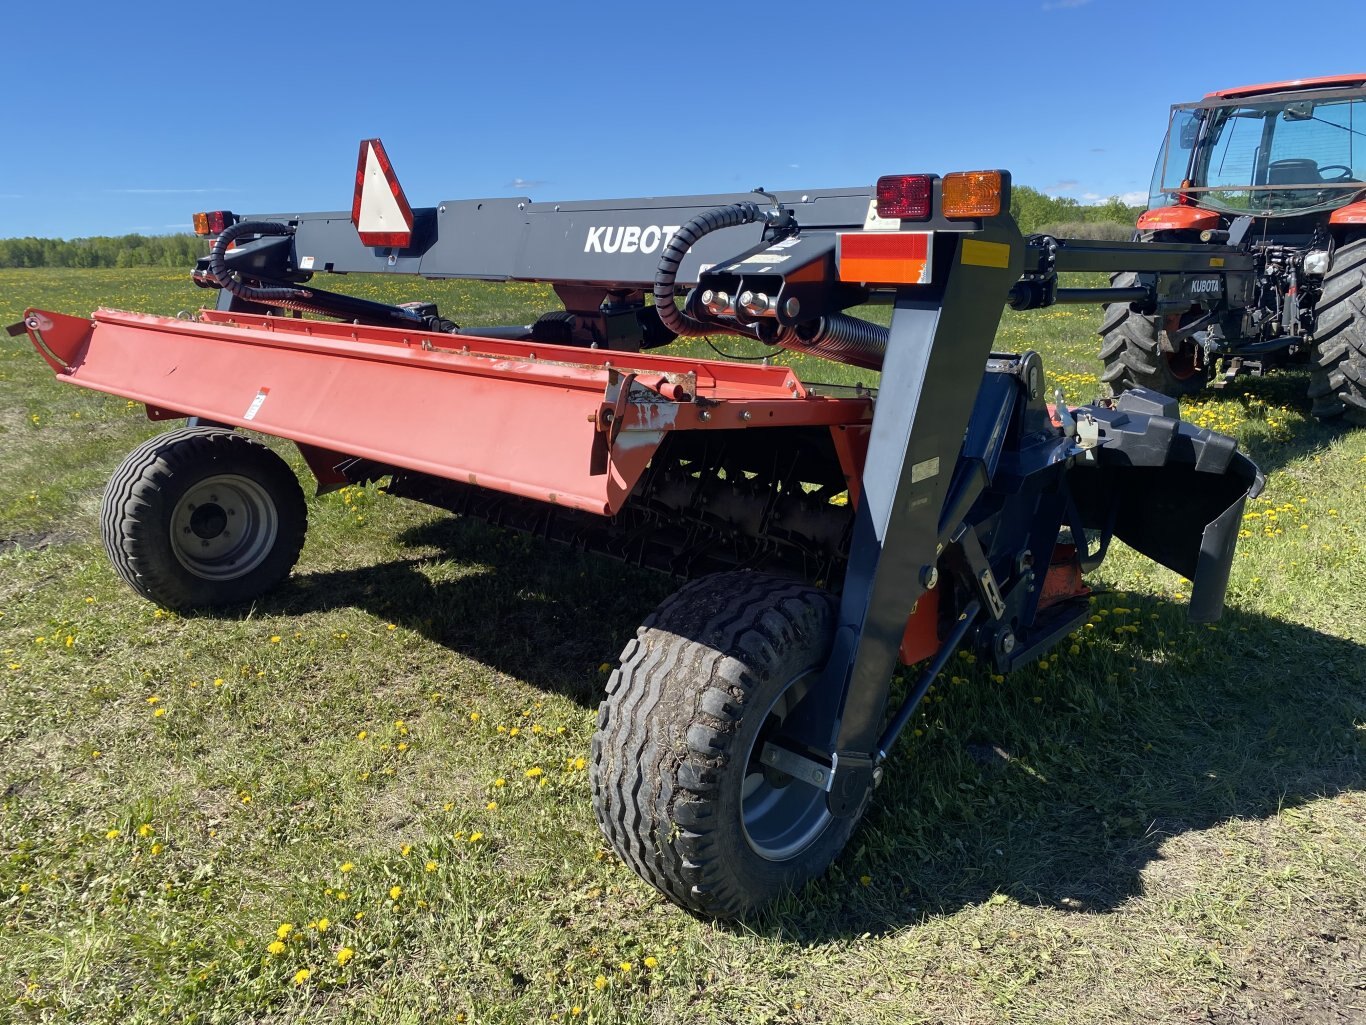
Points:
x=366, y=799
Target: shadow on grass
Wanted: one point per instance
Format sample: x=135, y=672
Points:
x=1064, y=802
x=1061, y=801
x=541, y=613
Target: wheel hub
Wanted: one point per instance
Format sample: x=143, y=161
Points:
x=781, y=814
x=223, y=527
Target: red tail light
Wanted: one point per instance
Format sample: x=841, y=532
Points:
x=213, y=222
x=905, y=197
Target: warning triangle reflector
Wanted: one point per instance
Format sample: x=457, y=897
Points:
x=380, y=210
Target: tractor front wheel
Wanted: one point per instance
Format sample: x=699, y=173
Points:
x=202, y=517
x=1132, y=350
x=680, y=784
x=1337, y=384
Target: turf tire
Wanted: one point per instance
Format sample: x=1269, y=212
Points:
x=1337, y=383
x=1131, y=351
x=679, y=727
x=147, y=496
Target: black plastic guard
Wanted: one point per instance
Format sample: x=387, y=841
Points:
x=1173, y=491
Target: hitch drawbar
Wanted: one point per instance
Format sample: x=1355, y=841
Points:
x=826, y=534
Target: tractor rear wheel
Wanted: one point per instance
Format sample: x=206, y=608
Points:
x=1337, y=384
x=201, y=517
x=678, y=785
x=1131, y=348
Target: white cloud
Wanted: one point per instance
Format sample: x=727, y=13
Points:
x=1066, y=185
x=526, y=183
x=1133, y=198
x=158, y=192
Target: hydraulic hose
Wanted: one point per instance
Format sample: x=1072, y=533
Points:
x=218, y=265
x=837, y=337
x=666, y=273
x=306, y=300
x=841, y=338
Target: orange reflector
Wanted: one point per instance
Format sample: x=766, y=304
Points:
x=212, y=222
x=973, y=194
x=886, y=257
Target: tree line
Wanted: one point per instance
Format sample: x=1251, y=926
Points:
x=103, y=251
x=1033, y=210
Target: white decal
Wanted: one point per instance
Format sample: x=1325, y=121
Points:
x=256, y=403
x=629, y=238
x=925, y=470
x=305, y=263
x=873, y=222
x=767, y=258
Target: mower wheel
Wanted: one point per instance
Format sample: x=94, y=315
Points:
x=1131, y=348
x=678, y=785
x=202, y=516
x=1337, y=384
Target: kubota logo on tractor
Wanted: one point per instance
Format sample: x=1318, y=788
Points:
x=628, y=238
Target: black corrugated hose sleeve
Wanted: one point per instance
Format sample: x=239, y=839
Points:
x=218, y=266
x=684, y=239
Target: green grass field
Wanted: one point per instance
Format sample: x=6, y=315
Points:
x=366, y=800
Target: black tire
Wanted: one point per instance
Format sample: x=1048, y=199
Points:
x=202, y=517
x=1337, y=384
x=1131, y=351
x=676, y=784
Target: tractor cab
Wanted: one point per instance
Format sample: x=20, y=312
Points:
x=1288, y=150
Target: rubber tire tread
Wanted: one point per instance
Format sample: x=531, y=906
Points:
x=1337, y=383
x=143, y=491
x=665, y=767
x=1130, y=351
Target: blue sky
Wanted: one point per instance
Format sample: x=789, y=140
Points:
x=128, y=117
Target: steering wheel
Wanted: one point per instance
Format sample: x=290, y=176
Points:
x=1344, y=172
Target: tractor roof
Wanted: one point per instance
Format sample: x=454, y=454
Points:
x=1325, y=82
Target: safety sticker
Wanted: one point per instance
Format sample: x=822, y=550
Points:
x=924, y=470
x=256, y=404
x=767, y=258
x=306, y=262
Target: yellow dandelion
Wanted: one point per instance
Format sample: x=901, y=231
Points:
x=323, y=924
x=302, y=975
x=652, y=962
x=153, y=699
x=406, y=849
x=474, y=717
x=113, y=834
x=600, y=983
x=285, y=929
x=275, y=639
x=158, y=713
x=395, y=892
x=347, y=867
x=362, y=734
x=157, y=848
x=476, y=837
x=430, y=866
x=532, y=773
x=276, y=947
x=492, y=806
x=344, y=955
x=500, y=782
x=625, y=966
